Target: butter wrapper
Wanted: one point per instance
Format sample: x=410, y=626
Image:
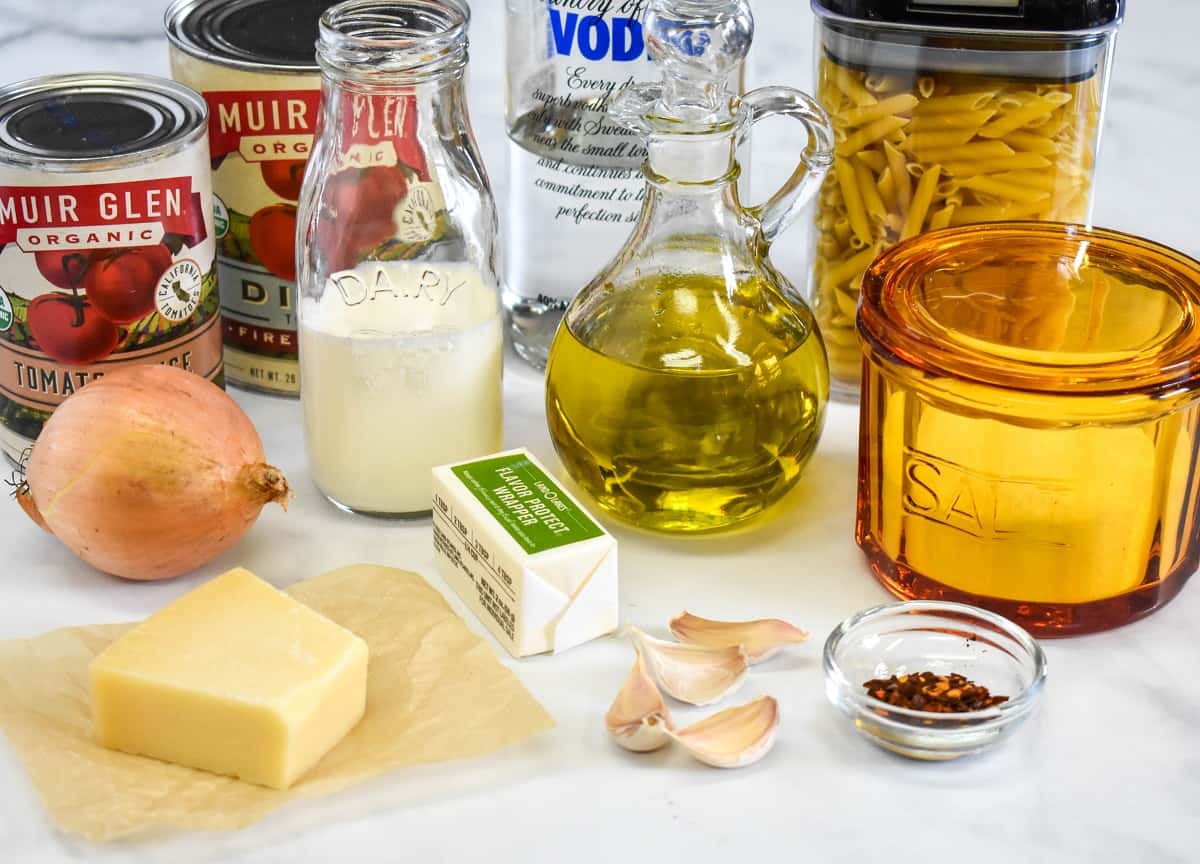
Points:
x=523, y=554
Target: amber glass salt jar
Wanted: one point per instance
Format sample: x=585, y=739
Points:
x=1030, y=417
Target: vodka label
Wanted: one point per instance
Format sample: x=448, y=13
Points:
x=575, y=175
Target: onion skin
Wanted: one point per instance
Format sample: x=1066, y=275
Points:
x=149, y=473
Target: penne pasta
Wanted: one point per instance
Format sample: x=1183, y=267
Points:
x=1033, y=179
x=941, y=218
x=1016, y=162
x=936, y=151
x=900, y=176
x=847, y=303
x=869, y=134
x=948, y=187
x=1033, y=110
x=856, y=213
x=1005, y=190
x=974, y=150
x=887, y=188
x=921, y=200
x=958, y=102
x=899, y=104
x=882, y=83
x=1031, y=142
x=852, y=267
x=875, y=160
x=952, y=120
x=926, y=141
x=873, y=203
x=967, y=215
x=852, y=87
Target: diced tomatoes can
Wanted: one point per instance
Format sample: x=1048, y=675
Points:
x=106, y=239
x=254, y=63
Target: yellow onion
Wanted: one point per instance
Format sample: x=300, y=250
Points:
x=149, y=473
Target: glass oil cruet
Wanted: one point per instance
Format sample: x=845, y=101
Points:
x=686, y=387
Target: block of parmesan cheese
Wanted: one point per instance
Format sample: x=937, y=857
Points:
x=235, y=677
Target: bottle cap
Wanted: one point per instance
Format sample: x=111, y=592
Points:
x=690, y=119
x=700, y=46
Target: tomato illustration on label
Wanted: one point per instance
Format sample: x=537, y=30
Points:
x=70, y=330
x=63, y=269
x=120, y=284
x=359, y=212
x=284, y=177
x=273, y=237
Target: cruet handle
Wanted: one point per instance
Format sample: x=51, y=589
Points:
x=781, y=209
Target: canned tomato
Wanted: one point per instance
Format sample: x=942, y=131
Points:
x=106, y=239
x=253, y=62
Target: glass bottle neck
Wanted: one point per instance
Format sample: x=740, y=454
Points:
x=691, y=159
x=710, y=209
x=448, y=83
x=393, y=43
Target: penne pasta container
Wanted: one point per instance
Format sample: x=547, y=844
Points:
x=946, y=114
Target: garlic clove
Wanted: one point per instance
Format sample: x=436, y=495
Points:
x=760, y=639
x=638, y=719
x=735, y=737
x=695, y=674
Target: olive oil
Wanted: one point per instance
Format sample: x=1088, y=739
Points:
x=686, y=403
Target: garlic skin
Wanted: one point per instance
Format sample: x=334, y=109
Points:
x=760, y=639
x=695, y=674
x=638, y=719
x=735, y=737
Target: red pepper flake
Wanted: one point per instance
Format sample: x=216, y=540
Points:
x=936, y=694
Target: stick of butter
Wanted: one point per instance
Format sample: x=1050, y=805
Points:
x=523, y=554
x=235, y=677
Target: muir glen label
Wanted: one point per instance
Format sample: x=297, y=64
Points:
x=259, y=142
x=98, y=276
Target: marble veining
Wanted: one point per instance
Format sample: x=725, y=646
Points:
x=1108, y=771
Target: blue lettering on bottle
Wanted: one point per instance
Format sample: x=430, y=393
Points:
x=593, y=38
x=627, y=40
x=596, y=38
x=563, y=30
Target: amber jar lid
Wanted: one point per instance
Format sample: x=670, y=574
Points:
x=1038, y=306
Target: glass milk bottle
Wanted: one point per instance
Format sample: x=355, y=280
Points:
x=400, y=322
x=574, y=178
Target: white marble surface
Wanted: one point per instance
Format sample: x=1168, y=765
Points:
x=1109, y=770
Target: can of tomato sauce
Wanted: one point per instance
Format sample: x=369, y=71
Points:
x=254, y=63
x=106, y=239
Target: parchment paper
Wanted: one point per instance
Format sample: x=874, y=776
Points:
x=435, y=692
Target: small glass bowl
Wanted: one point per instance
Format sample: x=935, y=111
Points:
x=939, y=637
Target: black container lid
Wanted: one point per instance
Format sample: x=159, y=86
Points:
x=1044, y=16
x=266, y=35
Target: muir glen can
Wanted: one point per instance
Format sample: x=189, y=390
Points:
x=254, y=63
x=106, y=239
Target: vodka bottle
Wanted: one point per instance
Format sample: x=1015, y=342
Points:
x=575, y=184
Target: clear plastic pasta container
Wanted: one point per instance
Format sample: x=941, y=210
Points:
x=947, y=114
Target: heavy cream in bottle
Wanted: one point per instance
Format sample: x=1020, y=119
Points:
x=401, y=363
